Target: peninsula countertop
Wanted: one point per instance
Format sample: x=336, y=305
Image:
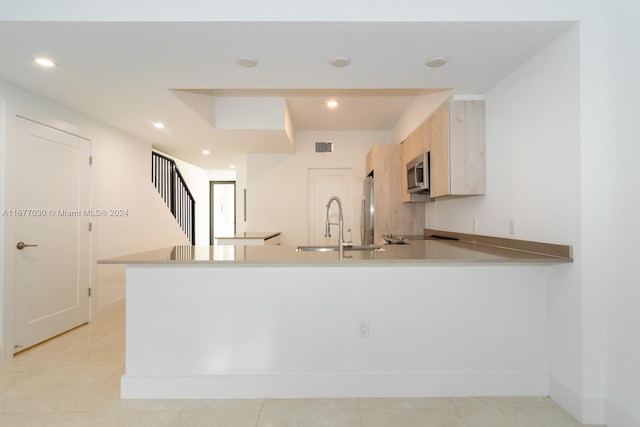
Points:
x=251, y=238
x=264, y=235
x=418, y=252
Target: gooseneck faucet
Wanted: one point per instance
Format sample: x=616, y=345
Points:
x=340, y=224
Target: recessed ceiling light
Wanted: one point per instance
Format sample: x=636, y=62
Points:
x=332, y=104
x=437, y=61
x=45, y=62
x=159, y=125
x=232, y=166
x=246, y=61
x=340, y=61
x=206, y=152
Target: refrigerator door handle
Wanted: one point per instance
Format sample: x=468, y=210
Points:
x=362, y=219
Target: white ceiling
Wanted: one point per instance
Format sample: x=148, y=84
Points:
x=129, y=75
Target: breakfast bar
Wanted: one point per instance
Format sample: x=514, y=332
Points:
x=439, y=317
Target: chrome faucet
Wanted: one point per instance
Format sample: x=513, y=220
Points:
x=340, y=224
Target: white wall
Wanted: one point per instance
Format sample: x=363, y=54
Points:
x=532, y=150
x=617, y=220
x=277, y=184
x=120, y=180
x=533, y=178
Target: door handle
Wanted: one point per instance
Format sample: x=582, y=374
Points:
x=22, y=245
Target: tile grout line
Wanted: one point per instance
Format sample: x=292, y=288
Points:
x=260, y=412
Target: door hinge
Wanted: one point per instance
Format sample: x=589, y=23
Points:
x=90, y=160
x=90, y=226
x=89, y=291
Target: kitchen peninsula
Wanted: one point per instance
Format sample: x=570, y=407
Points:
x=433, y=318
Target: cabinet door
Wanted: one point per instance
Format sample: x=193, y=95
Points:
x=391, y=214
x=406, y=150
x=423, y=134
x=370, y=162
x=415, y=145
x=438, y=136
x=467, y=147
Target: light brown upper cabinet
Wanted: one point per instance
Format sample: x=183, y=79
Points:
x=455, y=137
x=413, y=146
x=457, y=141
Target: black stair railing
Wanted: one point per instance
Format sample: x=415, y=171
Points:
x=172, y=188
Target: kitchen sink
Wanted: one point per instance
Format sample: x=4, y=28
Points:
x=335, y=248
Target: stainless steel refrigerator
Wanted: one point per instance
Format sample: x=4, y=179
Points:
x=367, y=212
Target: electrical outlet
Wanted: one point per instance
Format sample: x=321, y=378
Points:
x=512, y=226
x=363, y=329
x=474, y=224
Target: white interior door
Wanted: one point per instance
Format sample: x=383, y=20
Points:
x=324, y=183
x=52, y=278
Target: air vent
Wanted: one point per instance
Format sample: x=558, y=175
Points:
x=324, y=147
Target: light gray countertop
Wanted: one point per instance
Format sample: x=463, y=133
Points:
x=418, y=252
x=266, y=235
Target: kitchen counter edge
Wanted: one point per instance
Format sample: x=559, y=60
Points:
x=431, y=252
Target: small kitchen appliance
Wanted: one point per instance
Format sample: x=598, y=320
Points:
x=418, y=174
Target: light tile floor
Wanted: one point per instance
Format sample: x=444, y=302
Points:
x=74, y=380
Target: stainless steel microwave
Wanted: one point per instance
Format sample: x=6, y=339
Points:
x=418, y=174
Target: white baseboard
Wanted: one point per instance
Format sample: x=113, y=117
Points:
x=617, y=417
x=587, y=411
x=590, y=410
x=332, y=385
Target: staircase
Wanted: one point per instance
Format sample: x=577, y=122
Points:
x=174, y=191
